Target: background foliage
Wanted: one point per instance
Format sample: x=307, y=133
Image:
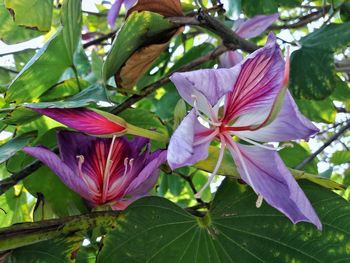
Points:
x=70, y=68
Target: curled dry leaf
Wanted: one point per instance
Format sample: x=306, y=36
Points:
x=143, y=58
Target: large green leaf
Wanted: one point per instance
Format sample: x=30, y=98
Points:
x=156, y=230
x=340, y=157
x=53, y=251
x=312, y=66
x=138, y=28
x=49, y=63
x=8, y=149
x=11, y=33
x=319, y=111
x=39, y=16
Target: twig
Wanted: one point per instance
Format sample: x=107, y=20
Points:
x=326, y=144
x=100, y=39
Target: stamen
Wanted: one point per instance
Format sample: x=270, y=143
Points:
x=123, y=177
x=88, y=181
x=258, y=144
x=106, y=173
x=217, y=166
x=81, y=160
x=195, y=106
x=259, y=201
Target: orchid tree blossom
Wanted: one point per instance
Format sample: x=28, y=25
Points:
x=104, y=171
x=115, y=9
x=96, y=122
x=243, y=107
x=246, y=29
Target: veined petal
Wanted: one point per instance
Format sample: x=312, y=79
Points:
x=255, y=26
x=84, y=120
x=230, y=59
x=182, y=148
x=289, y=124
x=259, y=81
x=265, y=172
x=213, y=84
x=68, y=177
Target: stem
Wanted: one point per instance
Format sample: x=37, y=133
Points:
x=134, y=130
x=30, y=233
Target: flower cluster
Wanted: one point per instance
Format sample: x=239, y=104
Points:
x=243, y=105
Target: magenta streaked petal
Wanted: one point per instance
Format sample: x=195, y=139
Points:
x=212, y=84
x=255, y=26
x=82, y=119
x=182, y=150
x=265, y=172
x=259, y=81
x=230, y=59
x=68, y=177
x=289, y=124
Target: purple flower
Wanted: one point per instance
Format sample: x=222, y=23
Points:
x=115, y=9
x=250, y=102
x=247, y=29
x=113, y=171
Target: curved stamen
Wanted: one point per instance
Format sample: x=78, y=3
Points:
x=217, y=166
x=207, y=138
x=205, y=118
x=87, y=180
x=271, y=148
x=106, y=173
x=259, y=201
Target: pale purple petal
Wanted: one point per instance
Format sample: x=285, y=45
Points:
x=181, y=150
x=128, y=4
x=114, y=12
x=68, y=177
x=147, y=178
x=82, y=119
x=255, y=26
x=213, y=84
x=230, y=59
x=289, y=124
x=259, y=81
x=265, y=172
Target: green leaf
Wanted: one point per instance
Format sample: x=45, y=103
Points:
x=258, y=7
x=61, y=199
x=340, y=157
x=318, y=111
x=13, y=208
x=312, y=74
x=8, y=149
x=94, y=94
x=234, y=231
x=39, y=19
x=11, y=33
x=314, y=79
x=46, y=67
x=138, y=28
x=71, y=20
x=53, y=251
x=292, y=156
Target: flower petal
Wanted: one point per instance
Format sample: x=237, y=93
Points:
x=255, y=26
x=289, y=124
x=182, y=150
x=230, y=59
x=213, y=84
x=265, y=172
x=259, y=81
x=147, y=178
x=84, y=120
x=68, y=177
x=114, y=12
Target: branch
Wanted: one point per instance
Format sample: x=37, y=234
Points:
x=100, y=39
x=326, y=144
x=29, y=233
x=154, y=86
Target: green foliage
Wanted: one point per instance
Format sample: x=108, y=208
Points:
x=39, y=17
x=234, y=230
x=340, y=157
